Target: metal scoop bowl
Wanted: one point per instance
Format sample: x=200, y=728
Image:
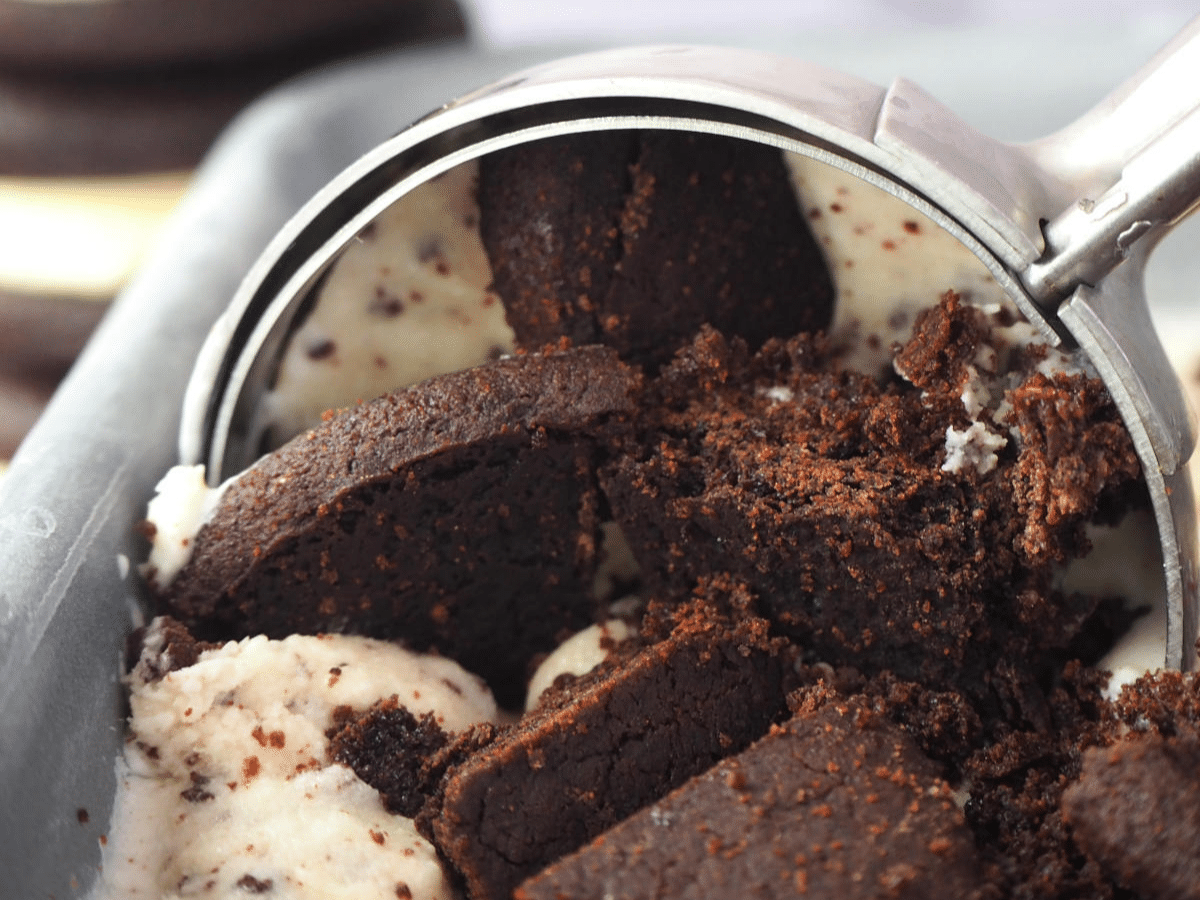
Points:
x=1064, y=224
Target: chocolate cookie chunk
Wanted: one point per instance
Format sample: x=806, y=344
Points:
x=162, y=647
x=401, y=755
x=635, y=239
x=575, y=767
x=836, y=803
x=830, y=496
x=460, y=514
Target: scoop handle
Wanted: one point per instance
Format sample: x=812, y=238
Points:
x=1133, y=162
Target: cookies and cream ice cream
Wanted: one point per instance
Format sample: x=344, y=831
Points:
x=410, y=298
x=226, y=788
x=420, y=277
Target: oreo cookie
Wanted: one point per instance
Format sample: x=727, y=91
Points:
x=123, y=35
x=105, y=107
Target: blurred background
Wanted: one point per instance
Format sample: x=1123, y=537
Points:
x=107, y=107
x=513, y=22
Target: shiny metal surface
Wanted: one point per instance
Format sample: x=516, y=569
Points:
x=777, y=100
x=992, y=196
x=1131, y=171
x=1095, y=234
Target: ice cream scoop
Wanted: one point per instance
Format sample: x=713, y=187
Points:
x=1063, y=225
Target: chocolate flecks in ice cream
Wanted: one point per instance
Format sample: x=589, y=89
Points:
x=840, y=511
x=410, y=298
x=227, y=773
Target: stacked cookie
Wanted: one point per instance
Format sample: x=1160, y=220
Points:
x=105, y=107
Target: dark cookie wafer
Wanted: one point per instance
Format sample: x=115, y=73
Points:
x=635, y=239
x=129, y=87
x=41, y=336
x=825, y=492
x=38, y=340
x=109, y=35
x=461, y=514
x=1136, y=809
x=21, y=402
x=58, y=124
